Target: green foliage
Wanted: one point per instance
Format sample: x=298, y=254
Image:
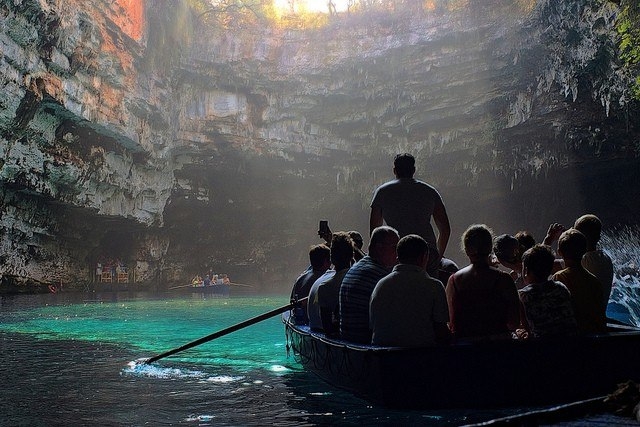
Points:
x=629, y=45
x=297, y=14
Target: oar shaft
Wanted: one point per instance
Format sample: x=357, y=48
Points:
x=226, y=331
x=240, y=284
x=181, y=286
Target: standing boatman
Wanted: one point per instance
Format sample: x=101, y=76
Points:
x=408, y=204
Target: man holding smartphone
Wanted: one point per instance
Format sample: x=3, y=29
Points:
x=408, y=204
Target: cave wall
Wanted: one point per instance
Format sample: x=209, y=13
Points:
x=516, y=115
x=82, y=140
x=145, y=131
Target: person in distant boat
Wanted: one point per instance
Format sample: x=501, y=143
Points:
x=358, y=283
x=508, y=252
x=319, y=257
x=408, y=308
x=595, y=261
x=483, y=301
x=206, y=281
x=408, y=205
x=547, y=309
x=586, y=290
x=324, y=296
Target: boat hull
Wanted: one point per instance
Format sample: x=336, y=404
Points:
x=222, y=290
x=491, y=374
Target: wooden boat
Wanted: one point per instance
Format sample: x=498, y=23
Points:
x=220, y=285
x=485, y=374
x=221, y=289
x=215, y=289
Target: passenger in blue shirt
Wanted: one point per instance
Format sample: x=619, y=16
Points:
x=359, y=282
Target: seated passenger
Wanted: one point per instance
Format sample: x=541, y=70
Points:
x=408, y=307
x=356, y=238
x=358, y=253
x=595, y=261
x=320, y=262
x=553, y=233
x=446, y=268
x=525, y=239
x=586, y=289
x=323, y=305
x=546, y=304
x=358, y=283
x=483, y=301
x=508, y=251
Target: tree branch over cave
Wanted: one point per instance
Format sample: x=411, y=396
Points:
x=629, y=44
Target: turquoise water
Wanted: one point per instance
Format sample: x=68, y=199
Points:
x=150, y=327
x=70, y=359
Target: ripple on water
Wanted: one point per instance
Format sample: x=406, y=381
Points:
x=141, y=369
x=202, y=420
x=152, y=371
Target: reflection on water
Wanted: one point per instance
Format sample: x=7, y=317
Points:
x=75, y=359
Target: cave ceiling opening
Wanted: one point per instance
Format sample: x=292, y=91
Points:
x=199, y=135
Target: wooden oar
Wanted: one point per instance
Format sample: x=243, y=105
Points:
x=226, y=331
x=618, y=324
x=569, y=411
x=240, y=284
x=181, y=286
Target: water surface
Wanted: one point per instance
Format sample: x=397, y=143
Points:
x=68, y=359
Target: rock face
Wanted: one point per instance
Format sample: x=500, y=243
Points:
x=178, y=143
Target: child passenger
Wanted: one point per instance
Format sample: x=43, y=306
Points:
x=509, y=253
x=546, y=304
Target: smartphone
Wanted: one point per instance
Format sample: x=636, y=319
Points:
x=323, y=228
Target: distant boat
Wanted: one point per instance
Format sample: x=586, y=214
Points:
x=217, y=289
x=220, y=285
x=480, y=375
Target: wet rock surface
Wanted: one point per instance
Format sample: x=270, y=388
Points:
x=155, y=136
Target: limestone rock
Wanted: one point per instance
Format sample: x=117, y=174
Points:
x=149, y=132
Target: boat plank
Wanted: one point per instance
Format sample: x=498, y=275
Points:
x=473, y=375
